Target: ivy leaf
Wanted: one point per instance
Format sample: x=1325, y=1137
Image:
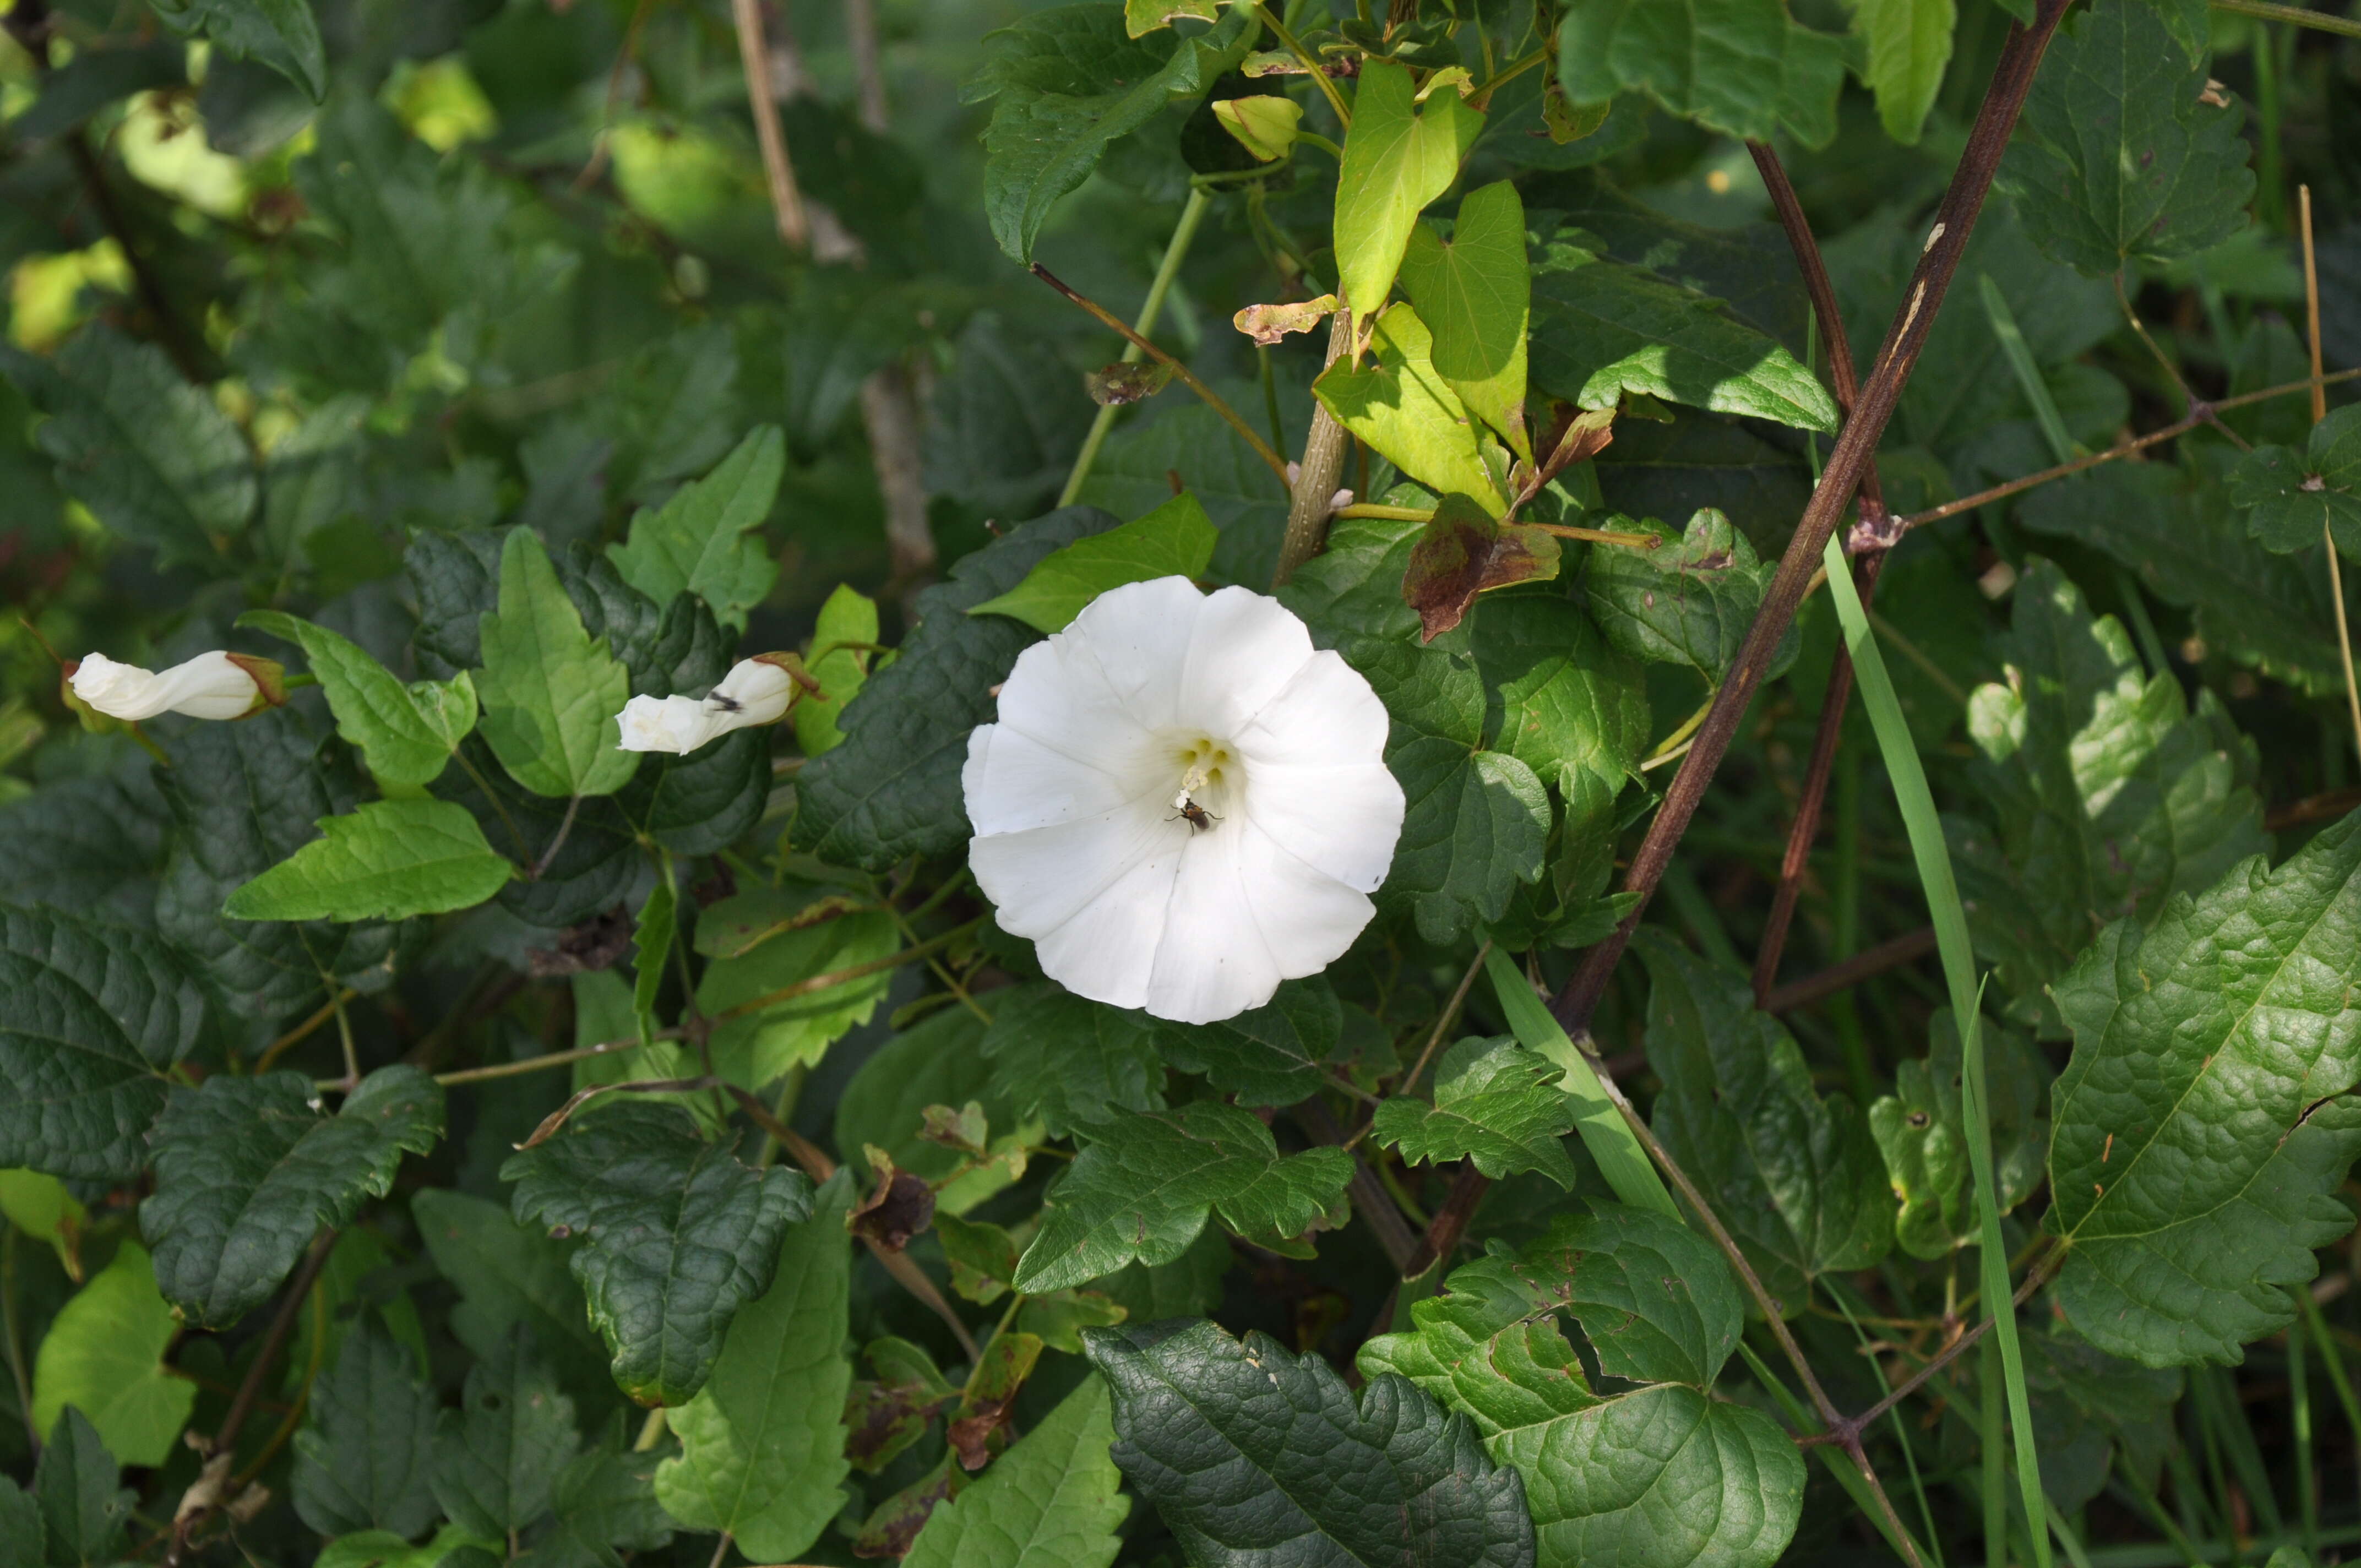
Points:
x=1602, y=329
x=702, y=541
x=2105, y=792
x=1461, y=552
x=247, y=1169
x=2124, y=157
x=1070, y=1060
x=1474, y=291
x=497, y=1457
x=754, y=1049
x=1399, y=156
x=508, y=1275
x=82, y=1510
x=1495, y=1104
x=849, y=616
x=147, y=452
x=406, y=733
x=282, y=34
x=2214, y=1052
x=1923, y=1137
x=1402, y=408
x=1739, y=66
x=1052, y=1501
x=1144, y=1182
x=1269, y=1054
x=1564, y=696
x=1069, y=82
x=104, y=1355
x=550, y=694
x=1260, y=1459
x=89, y=1015
x=892, y=789
x=389, y=861
x=1796, y=1178
x=1909, y=44
x=1688, y=601
x=763, y=1444
x=1175, y=540
x=366, y=1458
x=679, y=1236
x=2290, y=498
x=1657, y=1473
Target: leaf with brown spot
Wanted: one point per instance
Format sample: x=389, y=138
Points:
x=980, y=1428
x=894, y=1525
x=903, y=1206
x=1463, y=553
x=1267, y=324
x=1115, y=385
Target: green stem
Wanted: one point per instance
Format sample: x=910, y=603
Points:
x=2270, y=12
x=1192, y=213
x=2307, y=1484
x=2270, y=173
x=1481, y=93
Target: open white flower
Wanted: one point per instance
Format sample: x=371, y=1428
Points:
x=1182, y=803
x=755, y=691
x=211, y=685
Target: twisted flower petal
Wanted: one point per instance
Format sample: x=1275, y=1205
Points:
x=755, y=691
x=1182, y=802
x=211, y=685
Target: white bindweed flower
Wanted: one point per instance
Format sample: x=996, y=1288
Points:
x=211, y=685
x=755, y=691
x=1182, y=803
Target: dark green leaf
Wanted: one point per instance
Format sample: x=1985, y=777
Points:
x=2086, y=1405
x=1260, y=1459
x=247, y=1168
x=497, y=1457
x=2292, y=498
x=1688, y=601
x=23, y=1537
x=364, y=1459
x=1739, y=66
x=1269, y=1054
x=2214, y=1052
x=1053, y=1501
x=1007, y=421
x=1175, y=540
x=893, y=788
x=680, y=1235
x=1070, y=1060
x=82, y=1511
x=282, y=34
x=701, y=542
x=1921, y=1134
x=1189, y=1287
x=605, y=1506
x=1495, y=1104
x=92, y=845
x=510, y=1274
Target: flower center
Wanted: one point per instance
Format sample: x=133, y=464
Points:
x=1210, y=775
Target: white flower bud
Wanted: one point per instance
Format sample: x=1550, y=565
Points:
x=755, y=691
x=211, y=685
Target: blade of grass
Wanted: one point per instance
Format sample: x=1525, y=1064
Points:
x=1951, y=920
x=2307, y=1484
x=2238, y=1442
x=2333, y=1360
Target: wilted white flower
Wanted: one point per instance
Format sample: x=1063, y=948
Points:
x=755, y=691
x=211, y=685
x=1182, y=803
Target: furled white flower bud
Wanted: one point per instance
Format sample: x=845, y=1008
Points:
x=1182, y=804
x=755, y=691
x=211, y=685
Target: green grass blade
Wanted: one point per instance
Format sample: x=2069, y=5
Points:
x=2063, y=447
x=2333, y=1360
x=1942, y=890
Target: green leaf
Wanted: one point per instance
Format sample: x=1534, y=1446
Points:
x=703, y=542
x=42, y=1209
x=103, y=1355
x=1068, y=81
x=383, y=1549
x=550, y=693
x=1260, y=1459
x=1399, y=156
x=2204, y=1122
x=1688, y=601
x=2292, y=498
x=937, y=1061
x=1602, y=330
x=848, y=617
x=134, y=441
x=1909, y=44
x=1174, y=540
x=82, y=1510
x=406, y=733
x=1564, y=696
x=389, y=861
x=754, y=1049
x=509, y=1274
x=893, y=790
x=1739, y=66
x=1052, y=1501
x=763, y=1445
x=1070, y=1060
x=1189, y=1287
x=1474, y=292
x=1144, y=1182
x=90, y=1016
x=247, y=1169
x=679, y=1236
x=1269, y=1054
x=2104, y=792
x=1796, y=1178
x=605, y=1507
x=23, y=1537
x=497, y=1457
x=1496, y=1103
x=1921, y=1131
x=2123, y=157
x=1477, y=820
x=366, y=1458
x=282, y=34
x=1657, y=1473
x=1407, y=412
x=2088, y=1406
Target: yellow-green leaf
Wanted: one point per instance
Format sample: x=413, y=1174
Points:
x=1396, y=159
x=1175, y=540
x=1406, y=412
x=387, y=860
x=1474, y=292
x=103, y=1355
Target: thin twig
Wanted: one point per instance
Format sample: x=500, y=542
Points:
x=1443, y=1021
x=8, y=1338
x=2319, y=413
x=1311, y=67
x=1890, y=954
x=566, y=826
x=868, y=72
x=2272, y=12
x=778, y=172
x=1188, y=377
x=300, y=1033
x=1599, y=535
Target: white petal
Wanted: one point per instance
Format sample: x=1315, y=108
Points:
x=1038, y=879
x=207, y=686
x=761, y=690
x=1107, y=951
x=1307, y=916
x=668, y=724
x=1246, y=648
x=1341, y=821
x=1139, y=635
x=1013, y=782
x=1059, y=696
x=1326, y=716
x=1216, y=961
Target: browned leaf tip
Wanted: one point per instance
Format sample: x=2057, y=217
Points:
x=1114, y=385
x=1464, y=552
x=592, y=944
x=901, y=1208
x=1267, y=324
